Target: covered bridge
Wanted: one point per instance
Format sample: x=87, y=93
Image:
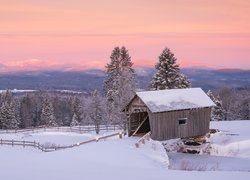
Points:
x=168, y=114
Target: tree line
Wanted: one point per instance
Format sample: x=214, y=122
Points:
x=60, y=109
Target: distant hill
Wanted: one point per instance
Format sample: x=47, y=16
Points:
x=89, y=80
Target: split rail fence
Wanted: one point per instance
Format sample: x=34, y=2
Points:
x=76, y=129
x=45, y=148
x=49, y=148
x=142, y=140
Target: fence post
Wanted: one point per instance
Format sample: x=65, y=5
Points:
x=120, y=135
x=24, y=143
x=12, y=142
x=1, y=141
x=137, y=145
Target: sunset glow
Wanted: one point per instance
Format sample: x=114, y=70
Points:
x=80, y=34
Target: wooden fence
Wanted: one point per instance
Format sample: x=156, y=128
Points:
x=51, y=148
x=76, y=129
x=142, y=140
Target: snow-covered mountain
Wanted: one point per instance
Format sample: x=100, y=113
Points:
x=91, y=79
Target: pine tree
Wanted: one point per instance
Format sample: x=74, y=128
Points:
x=26, y=112
x=47, y=115
x=168, y=74
x=8, y=119
x=119, y=84
x=74, y=121
x=77, y=109
x=217, y=111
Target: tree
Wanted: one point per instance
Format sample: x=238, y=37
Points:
x=47, y=115
x=26, y=112
x=228, y=97
x=96, y=110
x=8, y=118
x=217, y=111
x=242, y=106
x=77, y=109
x=168, y=74
x=74, y=121
x=119, y=84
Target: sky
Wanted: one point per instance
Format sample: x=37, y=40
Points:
x=81, y=34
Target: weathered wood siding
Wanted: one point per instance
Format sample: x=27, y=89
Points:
x=166, y=125
x=137, y=111
x=137, y=105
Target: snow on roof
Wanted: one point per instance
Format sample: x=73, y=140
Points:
x=175, y=99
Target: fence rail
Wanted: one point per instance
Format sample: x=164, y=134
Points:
x=45, y=148
x=76, y=129
x=142, y=140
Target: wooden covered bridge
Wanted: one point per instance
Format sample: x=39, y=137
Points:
x=169, y=114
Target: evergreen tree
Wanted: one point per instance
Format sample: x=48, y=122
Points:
x=217, y=111
x=77, y=109
x=8, y=118
x=74, y=121
x=26, y=112
x=168, y=74
x=119, y=84
x=47, y=115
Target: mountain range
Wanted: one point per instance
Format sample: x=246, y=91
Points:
x=88, y=80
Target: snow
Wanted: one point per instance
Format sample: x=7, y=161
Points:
x=233, y=140
x=230, y=150
x=56, y=138
x=18, y=91
x=175, y=99
x=119, y=159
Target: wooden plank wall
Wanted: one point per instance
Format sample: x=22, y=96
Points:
x=166, y=125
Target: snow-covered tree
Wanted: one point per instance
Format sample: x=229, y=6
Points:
x=96, y=107
x=47, y=115
x=217, y=113
x=74, y=121
x=168, y=74
x=8, y=118
x=26, y=112
x=245, y=109
x=77, y=109
x=119, y=84
x=228, y=97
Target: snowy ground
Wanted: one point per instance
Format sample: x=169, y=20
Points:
x=230, y=150
x=56, y=138
x=115, y=159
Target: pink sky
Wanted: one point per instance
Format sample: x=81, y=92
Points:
x=80, y=34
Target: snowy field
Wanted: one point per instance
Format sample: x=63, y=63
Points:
x=55, y=138
x=119, y=159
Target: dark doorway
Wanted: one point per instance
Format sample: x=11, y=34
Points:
x=139, y=124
